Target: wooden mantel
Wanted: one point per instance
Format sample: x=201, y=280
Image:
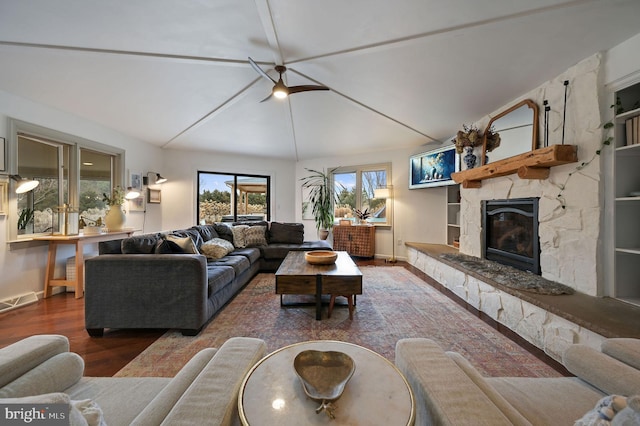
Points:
x=530, y=165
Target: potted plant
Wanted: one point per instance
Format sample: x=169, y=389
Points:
x=321, y=196
x=362, y=215
x=469, y=138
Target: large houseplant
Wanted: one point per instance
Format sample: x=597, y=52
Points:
x=321, y=197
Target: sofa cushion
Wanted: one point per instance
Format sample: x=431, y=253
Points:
x=207, y=232
x=238, y=263
x=216, y=248
x=255, y=236
x=224, y=231
x=251, y=253
x=219, y=277
x=288, y=233
x=186, y=244
x=626, y=350
x=53, y=375
x=238, y=232
x=139, y=244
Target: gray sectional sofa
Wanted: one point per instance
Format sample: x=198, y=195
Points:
x=164, y=280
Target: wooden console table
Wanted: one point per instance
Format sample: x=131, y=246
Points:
x=78, y=241
x=357, y=240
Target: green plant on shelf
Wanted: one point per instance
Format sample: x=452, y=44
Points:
x=606, y=141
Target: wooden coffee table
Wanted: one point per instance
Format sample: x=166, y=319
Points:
x=296, y=276
x=377, y=394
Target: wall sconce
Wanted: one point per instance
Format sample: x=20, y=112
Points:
x=386, y=192
x=159, y=179
x=131, y=193
x=24, y=184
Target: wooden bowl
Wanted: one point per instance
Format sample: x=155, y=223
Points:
x=321, y=257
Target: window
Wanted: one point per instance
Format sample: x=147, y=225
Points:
x=228, y=197
x=70, y=170
x=355, y=188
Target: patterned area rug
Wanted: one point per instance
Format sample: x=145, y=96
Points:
x=394, y=304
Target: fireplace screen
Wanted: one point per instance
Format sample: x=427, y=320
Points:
x=510, y=231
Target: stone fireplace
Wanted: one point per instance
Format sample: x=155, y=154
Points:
x=510, y=233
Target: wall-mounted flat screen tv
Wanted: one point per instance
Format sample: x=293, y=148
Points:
x=433, y=168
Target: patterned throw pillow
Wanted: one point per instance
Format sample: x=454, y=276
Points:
x=239, y=235
x=185, y=243
x=216, y=248
x=256, y=236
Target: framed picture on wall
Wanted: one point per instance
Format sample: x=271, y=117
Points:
x=433, y=168
x=137, y=204
x=3, y=155
x=153, y=196
x=135, y=180
x=3, y=197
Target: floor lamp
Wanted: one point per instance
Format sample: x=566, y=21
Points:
x=386, y=192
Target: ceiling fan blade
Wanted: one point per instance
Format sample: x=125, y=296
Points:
x=306, y=88
x=260, y=70
x=267, y=98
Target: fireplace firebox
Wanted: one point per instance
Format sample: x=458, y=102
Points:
x=510, y=233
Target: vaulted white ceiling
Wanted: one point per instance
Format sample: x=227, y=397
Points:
x=402, y=73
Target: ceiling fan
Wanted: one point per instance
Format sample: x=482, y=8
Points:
x=280, y=90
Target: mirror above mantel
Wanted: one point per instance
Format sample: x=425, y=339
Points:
x=518, y=130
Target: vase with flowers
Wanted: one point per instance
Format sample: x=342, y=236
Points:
x=469, y=138
x=114, y=219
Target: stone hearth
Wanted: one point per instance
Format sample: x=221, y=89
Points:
x=549, y=331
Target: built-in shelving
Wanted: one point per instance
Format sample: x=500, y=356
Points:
x=626, y=204
x=453, y=215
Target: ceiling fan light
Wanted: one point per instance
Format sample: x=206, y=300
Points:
x=280, y=91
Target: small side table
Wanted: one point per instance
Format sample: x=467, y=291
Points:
x=357, y=240
x=77, y=241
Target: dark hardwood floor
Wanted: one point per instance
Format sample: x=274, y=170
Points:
x=64, y=314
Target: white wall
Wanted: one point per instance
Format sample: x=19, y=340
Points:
x=181, y=167
x=419, y=213
x=23, y=264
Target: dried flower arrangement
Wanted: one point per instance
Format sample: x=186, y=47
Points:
x=470, y=137
x=117, y=197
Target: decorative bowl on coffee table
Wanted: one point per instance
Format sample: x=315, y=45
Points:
x=321, y=257
x=324, y=374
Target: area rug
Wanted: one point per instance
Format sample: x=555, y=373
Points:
x=508, y=276
x=395, y=304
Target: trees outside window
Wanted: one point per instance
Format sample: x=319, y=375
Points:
x=229, y=197
x=355, y=187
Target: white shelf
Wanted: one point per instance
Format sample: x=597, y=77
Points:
x=625, y=231
x=628, y=250
x=454, y=225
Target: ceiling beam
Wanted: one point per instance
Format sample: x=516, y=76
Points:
x=367, y=107
x=465, y=26
x=224, y=105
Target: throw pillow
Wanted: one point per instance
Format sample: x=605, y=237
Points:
x=224, y=231
x=164, y=246
x=239, y=235
x=287, y=233
x=140, y=244
x=255, y=236
x=81, y=413
x=185, y=243
x=216, y=248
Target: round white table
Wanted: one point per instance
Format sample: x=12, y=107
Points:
x=376, y=394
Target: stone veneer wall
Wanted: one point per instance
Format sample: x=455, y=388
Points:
x=568, y=236
x=570, y=225
x=543, y=329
